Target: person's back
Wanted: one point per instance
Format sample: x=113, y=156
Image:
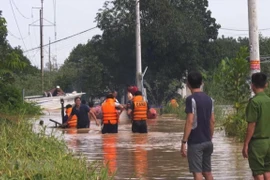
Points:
x=262, y=101
x=257, y=142
x=199, y=129
x=139, y=111
x=202, y=106
x=110, y=115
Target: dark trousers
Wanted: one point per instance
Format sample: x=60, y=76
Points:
x=109, y=128
x=139, y=126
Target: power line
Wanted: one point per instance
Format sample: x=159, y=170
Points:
x=65, y=38
x=17, y=23
x=231, y=29
x=19, y=10
x=16, y=37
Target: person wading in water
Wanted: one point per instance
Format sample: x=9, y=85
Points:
x=83, y=113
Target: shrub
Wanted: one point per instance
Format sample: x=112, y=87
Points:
x=11, y=102
x=235, y=125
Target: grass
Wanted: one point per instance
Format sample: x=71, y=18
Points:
x=28, y=155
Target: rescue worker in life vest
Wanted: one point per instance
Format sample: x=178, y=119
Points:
x=110, y=115
x=72, y=123
x=138, y=111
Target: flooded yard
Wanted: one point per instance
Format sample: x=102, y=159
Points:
x=155, y=155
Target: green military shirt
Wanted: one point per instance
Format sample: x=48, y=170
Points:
x=258, y=110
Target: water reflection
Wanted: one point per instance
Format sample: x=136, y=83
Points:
x=140, y=156
x=155, y=155
x=109, y=152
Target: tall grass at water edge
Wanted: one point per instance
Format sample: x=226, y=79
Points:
x=28, y=155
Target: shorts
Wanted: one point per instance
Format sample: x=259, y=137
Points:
x=199, y=157
x=139, y=126
x=109, y=128
x=259, y=156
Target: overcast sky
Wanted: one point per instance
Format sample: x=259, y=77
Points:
x=73, y=16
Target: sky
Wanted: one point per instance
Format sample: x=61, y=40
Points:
x=73, y=16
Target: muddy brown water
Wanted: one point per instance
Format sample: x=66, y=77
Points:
x=155, y=155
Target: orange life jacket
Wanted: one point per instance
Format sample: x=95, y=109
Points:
x=140, y=108
x=174, y=103
x=72, y=123
x=109, y=111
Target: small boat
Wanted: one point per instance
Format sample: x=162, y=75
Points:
x=52, y=103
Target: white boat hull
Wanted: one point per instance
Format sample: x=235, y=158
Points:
x=52, y=103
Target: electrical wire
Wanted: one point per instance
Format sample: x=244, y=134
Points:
x=19, y=10
x=63, y=39
x=17, y=23
x=16, y=37
x=231, y=29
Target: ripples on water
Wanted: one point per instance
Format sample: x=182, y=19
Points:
x=155, y=155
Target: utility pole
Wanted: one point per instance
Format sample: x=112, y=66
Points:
x=55, y=36
x=254, y=57
x=253, y=37
x=50, y=63
x=41, y=47
x=138, y=47
x=50, y=55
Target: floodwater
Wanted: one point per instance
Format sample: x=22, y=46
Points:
x=155, y=155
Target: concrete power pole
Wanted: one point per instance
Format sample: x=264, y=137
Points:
x=254, y=57
x=50, y=62
x=41, y=47
x=138, y=47
x=253, y=37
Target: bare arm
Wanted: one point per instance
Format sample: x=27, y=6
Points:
x=212, y=125
x=129, y=112
x=92, y=114
x=187, y=130
x=188, y=126
x=250, y=132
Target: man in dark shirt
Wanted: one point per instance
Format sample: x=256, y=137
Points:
x=199, y=129
x=82, y=111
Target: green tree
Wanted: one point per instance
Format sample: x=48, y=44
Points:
x=173, y=34
x=82, y=71
x=233, y=78
x=9, y=60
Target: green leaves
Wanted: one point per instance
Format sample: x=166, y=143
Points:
x=232, y=78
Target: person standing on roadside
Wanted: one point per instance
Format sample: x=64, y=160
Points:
x=199, y=129
x=257, y=142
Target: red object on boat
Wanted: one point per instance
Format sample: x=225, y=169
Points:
x=132, y=89
x=152, y=114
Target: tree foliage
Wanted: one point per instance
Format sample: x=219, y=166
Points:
x=232, y=77
x=13, y=67
x=173, y=34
